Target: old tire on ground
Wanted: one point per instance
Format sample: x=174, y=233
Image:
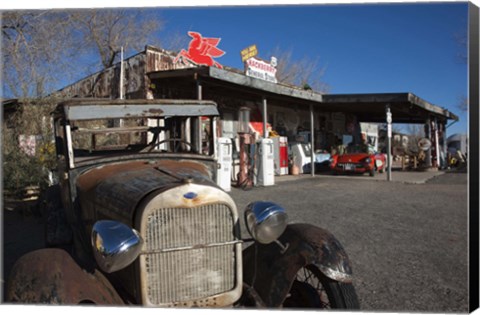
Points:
x=311, y=289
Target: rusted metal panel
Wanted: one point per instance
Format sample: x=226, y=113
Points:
x=114, y=190
x=140, y=110
x=249, y=82
x=105, y=84
x=162, y=60
x=103, y=109
x=51, y=276
x=271, y=272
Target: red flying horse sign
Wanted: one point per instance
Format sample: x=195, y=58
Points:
x=202, y=50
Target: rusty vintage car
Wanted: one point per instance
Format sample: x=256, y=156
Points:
x=137, y=219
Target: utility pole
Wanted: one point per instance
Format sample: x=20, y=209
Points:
x=121, y=74
x=389, y=142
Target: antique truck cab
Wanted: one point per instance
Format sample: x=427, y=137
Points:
x=138, y=219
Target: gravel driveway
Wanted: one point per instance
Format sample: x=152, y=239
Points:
x=407, y=242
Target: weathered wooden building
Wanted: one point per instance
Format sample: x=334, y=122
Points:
x=289, y=110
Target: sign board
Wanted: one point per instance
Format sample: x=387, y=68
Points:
x=201, y=51
x=260, y=69
x=424, y=144
x=389, y=117
x=249, y=52
x=27, y=144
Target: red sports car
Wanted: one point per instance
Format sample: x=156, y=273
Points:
x=358, y=159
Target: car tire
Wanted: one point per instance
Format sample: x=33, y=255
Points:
x=312, y=289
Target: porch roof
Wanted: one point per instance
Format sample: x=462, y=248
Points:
x=368, y=107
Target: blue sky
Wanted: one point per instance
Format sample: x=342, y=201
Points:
x=368, y=48
x=364, y=48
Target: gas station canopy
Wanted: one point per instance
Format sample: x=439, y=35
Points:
x=405, y=107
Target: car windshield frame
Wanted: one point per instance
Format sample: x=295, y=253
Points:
x=93, y=130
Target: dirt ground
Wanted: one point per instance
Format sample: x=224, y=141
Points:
x=408, y=243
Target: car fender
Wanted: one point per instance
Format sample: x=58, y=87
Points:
x=51, y=276
x=270, y=270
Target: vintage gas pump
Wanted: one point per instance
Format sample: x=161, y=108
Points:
x=224, y=158
x=245, y=178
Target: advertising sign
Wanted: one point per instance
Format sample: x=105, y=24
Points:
x=424, y=144
x=260, y=69
x=27, y=144
x=201, y=51
x=249, y=52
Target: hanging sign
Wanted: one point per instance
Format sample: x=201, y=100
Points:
x=424, y=144
x=260, y=69
x=201, y=51
x=249, y=52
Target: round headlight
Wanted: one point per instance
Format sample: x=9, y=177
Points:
x=115, y=245
x=265, y=221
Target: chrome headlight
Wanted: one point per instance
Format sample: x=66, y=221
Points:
x=265, y=221
x=115, y=245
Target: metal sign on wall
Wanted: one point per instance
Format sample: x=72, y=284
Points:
x=260, y=69
x=249, y=52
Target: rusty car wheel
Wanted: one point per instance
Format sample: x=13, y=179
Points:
x=311, y=289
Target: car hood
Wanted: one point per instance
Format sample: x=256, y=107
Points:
x=352, y=157
x=116, y=189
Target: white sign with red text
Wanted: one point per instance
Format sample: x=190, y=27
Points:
x=260, y=69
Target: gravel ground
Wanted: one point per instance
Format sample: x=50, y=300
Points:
x=407, y=242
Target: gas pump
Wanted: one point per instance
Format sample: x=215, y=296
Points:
x=264, y=168
x=224, y=160
x=245, y=175
x=301, y=155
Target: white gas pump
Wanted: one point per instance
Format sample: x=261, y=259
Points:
x=301, y=154
x=224, y=160
x=265, y=169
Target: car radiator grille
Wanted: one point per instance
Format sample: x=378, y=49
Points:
x=190, y=253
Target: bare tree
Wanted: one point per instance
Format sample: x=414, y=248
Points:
x=106, y=31
x=463, y=103
x=42, y=49
x=415, y=132
x=35, y=45
x=304, y=72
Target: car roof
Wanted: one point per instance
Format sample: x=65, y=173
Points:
x=88, y=109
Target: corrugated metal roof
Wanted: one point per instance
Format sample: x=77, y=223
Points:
x=369, y=107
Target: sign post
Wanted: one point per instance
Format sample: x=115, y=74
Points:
x=389, y=143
